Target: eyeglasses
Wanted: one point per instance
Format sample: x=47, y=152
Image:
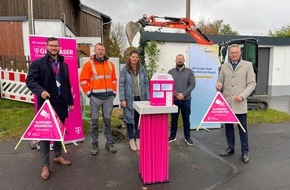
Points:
x=55, y=46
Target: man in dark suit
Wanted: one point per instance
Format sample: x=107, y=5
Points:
x=48, y=77
x=237, y=81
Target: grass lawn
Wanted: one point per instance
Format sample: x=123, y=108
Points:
x=16, y=116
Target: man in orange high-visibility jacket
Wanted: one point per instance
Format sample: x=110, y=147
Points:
x=98, y=81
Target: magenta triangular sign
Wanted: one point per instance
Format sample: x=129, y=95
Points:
x=220, y=112
x=46, y=125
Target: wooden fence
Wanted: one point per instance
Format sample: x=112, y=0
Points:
x=15, y=62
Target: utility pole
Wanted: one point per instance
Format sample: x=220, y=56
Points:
x=30, y=17
x=33, y=143
x=64, y=25
x=187, y=14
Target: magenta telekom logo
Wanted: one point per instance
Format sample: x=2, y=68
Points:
x=78, y=130
x=39, y=51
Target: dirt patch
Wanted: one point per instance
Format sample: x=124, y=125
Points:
x=117, y=112
x=119, y=132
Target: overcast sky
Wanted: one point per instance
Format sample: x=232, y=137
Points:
x=247, y=17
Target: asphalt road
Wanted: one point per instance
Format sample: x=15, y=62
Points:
x=190, y=167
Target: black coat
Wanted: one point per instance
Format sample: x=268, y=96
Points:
x=41, y=77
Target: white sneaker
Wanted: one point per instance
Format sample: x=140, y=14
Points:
x=133, y=145
x=138, y=144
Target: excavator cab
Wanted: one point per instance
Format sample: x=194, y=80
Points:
x=249, y=47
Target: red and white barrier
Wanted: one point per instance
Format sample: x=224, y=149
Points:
x=13, y=86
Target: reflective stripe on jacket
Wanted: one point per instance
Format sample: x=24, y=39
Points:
x=98, y=77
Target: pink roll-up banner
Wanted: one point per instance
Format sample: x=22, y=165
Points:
x=68, y=49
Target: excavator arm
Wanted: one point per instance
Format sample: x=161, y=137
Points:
x=167, y=22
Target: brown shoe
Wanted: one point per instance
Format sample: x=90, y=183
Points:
x=45, y=173
x=60, y=160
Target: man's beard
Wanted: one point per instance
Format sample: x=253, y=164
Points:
x=179, y=65
x=53, y=54
x=100, y=57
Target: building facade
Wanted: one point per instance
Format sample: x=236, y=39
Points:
x=65, y=18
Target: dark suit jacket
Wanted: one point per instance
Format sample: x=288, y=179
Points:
x=41, y=77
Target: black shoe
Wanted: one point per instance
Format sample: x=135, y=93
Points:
x=188, y=141
x=245, y=157
x=227, y=152
x=171, y=139
x=111, y=148
x=95, y=149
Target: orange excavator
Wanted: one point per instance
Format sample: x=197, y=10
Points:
x=132, y=28
x=249, y=46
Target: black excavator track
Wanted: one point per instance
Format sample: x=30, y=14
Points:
x=256, y=104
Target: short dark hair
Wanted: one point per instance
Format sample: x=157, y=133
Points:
x=51, y=39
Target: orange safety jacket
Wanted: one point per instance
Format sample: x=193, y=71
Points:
x=98, y=78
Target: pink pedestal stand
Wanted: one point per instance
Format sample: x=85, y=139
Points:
x=153, y=157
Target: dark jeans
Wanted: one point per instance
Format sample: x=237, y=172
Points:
x=133, y=129
x=45, y=148
x=184, y=107
x=230, y=133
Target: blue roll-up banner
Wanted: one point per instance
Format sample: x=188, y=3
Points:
x=203, y=60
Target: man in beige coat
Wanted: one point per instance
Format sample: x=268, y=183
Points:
x=236, y=81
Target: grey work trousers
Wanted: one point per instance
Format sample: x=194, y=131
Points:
x=107, y=108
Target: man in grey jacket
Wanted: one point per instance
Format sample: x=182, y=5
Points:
x=184, y=83
x=237, y=81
